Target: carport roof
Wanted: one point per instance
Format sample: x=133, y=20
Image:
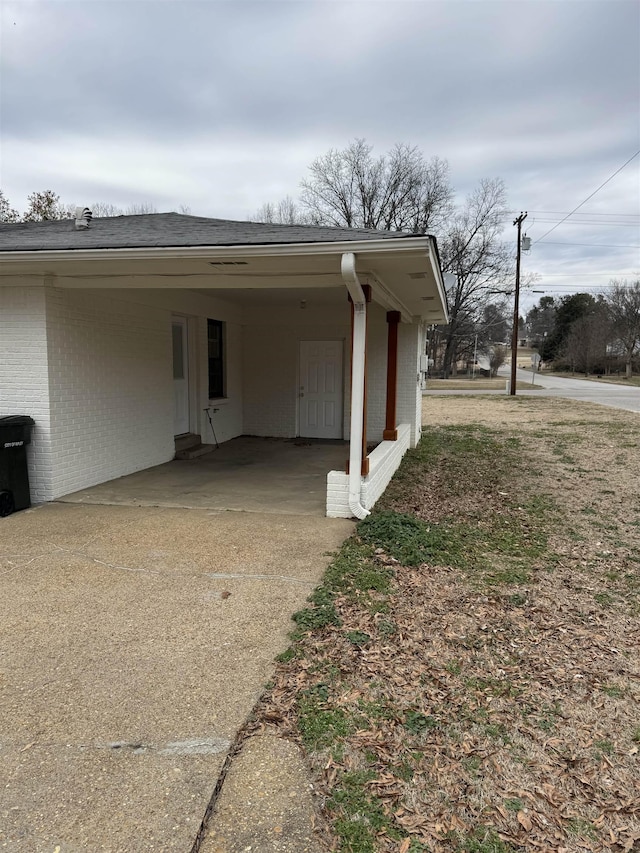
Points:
x=171, y=229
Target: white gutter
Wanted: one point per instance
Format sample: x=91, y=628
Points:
x=437, y=275
x=390, y=245
x=350, y=278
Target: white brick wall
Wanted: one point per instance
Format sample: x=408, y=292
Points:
x=93, y=368
x=111, y=383
x=409, y=402
x=23, y=375
x=383, y=463
x=377, y=336
x=271, y=363
x=110, y=387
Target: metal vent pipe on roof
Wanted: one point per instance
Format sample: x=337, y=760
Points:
x=83, y=218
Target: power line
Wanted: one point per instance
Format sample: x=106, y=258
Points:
x=562, y=213
x=595, y=245
x=575, y=274
x=591, y=222
x=589, y=196
x=558, y=286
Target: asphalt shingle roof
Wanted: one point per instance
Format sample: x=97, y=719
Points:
x=170, y=229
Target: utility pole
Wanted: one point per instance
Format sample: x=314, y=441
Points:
x=516, y=308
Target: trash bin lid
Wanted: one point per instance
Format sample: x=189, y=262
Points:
x=16, y=420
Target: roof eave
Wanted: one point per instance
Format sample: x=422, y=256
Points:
x=434, y=259
x=240, y=250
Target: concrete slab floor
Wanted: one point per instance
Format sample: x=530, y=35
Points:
x=133, y=644
x=246, y=473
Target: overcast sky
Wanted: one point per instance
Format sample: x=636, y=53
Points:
x=220, y=106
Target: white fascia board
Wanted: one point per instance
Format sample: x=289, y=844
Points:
x=437, y=275
x=241, y=251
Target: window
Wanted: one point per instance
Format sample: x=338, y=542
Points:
x=215, y=335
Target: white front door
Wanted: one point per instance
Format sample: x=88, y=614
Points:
x=320, y=390
x=180, y=375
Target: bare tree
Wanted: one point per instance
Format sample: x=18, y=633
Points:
x=497, y=357
x=398, y=191
x=102, y=209
x=401, y=190
x=350, y=188
x=478, y=261
x=140, y=207
x=47, y=205
x=7, y=213
x=285, y=212
x=623, y=300
x=44, y=205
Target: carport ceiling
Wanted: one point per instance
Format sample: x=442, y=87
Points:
x=407, y=274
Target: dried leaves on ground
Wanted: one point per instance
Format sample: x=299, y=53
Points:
x=467, y=676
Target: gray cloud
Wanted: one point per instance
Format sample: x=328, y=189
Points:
x=222, y=105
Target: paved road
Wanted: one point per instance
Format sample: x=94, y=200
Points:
x=604, y=393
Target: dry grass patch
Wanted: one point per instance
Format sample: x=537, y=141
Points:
x=467, y=676
x=497, y=384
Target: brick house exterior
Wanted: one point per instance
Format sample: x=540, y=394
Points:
x=86, y=343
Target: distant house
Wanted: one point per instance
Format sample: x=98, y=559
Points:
x=117, y=334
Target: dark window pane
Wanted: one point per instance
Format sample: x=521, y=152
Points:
x=215, y=330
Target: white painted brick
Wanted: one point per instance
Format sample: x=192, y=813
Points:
x=24, y=377
x=93, y=368
x=271, y=364
x=384, y=461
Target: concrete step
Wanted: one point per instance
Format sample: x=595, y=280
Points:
x=195, y=451
x=184, y=442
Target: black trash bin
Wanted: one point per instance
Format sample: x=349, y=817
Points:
x=15, y=434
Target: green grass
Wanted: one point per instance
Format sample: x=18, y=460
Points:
x=320, y=725
x=613, y=691
x=483, y=840
x=497, y=550
x=499, y=538
x=358, y=816
x=604, y=746
x=418, y=723
x=581, y=828
x=351, y=573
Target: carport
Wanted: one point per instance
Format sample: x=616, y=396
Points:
x=122, y=335
x=249, y=473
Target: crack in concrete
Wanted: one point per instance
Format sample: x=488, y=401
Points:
x=191, y=746
x=233, y=576
x=20, y=565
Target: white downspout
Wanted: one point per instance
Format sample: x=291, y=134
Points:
x=350, y=278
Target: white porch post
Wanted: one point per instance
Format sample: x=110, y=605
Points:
x=358, y=362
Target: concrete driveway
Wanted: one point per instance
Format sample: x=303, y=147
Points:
x=246, y=474
x=134, y=642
